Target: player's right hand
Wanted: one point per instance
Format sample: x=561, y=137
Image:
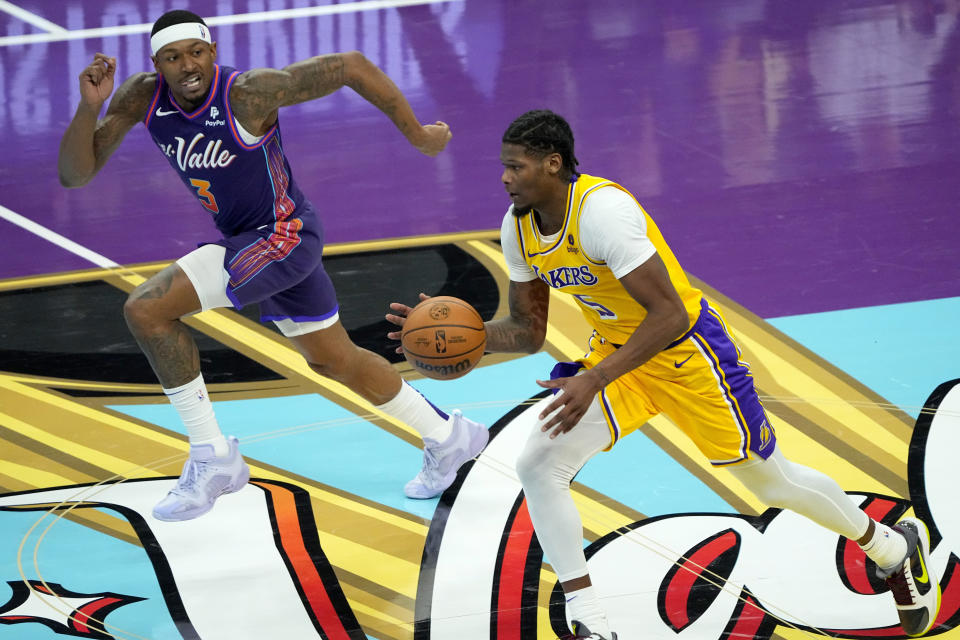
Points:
x=433, y=138
x=96, y=81
x=398, y=318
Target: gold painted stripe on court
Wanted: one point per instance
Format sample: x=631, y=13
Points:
x=343, y=502
x=227, y=327
x=371, y=563
x=125, y=466
x=26, y=477
x=115, y=465
x=851, y=391
x=488, y=254
x=408, y=242
x=107, y=418
x=233, y=330
x=548, y=579
x=376, y=621
x=388, y=607
x=803, y=449
x=807, y=387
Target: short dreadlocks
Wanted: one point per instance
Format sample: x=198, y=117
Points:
x=542, y=132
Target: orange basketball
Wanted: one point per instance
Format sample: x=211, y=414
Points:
x=443, y=337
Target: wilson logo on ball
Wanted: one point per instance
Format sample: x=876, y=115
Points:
x=443, y=371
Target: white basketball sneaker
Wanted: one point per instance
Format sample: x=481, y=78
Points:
x=914, y=585
x=204, y=478
x=441, y=460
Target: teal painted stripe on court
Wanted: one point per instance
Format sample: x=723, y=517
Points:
x=337, y=448
x=638, y=473
x=333, y=446
x=901, y=351
x=83, y=560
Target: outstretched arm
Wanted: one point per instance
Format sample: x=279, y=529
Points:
x=259, y=93
x=88, y=143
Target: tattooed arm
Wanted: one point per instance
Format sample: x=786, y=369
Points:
x=525, y=329
x=258, y=94
x=88, y=143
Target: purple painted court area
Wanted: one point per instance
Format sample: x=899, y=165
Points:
x=799, y=156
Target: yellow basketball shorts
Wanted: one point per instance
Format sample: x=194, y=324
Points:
x=701, y=384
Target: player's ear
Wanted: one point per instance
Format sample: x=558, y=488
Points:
x=213, y=50
x=554, y=164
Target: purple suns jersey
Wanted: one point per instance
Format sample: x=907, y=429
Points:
x=244, y=184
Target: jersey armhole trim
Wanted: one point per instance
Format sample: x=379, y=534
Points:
x=154, y=100
x=591, y=260
x=236, y=129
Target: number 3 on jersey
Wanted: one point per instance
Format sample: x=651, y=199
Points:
x=206, y=198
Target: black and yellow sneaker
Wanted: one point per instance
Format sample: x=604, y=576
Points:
x=915, y=588
x=580, y=631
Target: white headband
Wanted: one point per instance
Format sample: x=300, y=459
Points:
x=180, y=31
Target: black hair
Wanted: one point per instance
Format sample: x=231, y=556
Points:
x=542, y=132
x=176, y=16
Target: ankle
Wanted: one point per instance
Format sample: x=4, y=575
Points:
x=886, y=547
x=583, y=605
x=221, y=447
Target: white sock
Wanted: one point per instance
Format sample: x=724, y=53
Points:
x=584, y=606
x=412, y=408
x=193, y=404
x=887, y=547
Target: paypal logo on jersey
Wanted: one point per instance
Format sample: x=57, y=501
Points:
x=567, y=276
x=212, y=121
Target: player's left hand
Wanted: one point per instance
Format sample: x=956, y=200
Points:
x=574, y=398
x=399, y=317
x=433, y=138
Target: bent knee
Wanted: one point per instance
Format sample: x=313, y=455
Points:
x=137, y=310
x=540, y=465
x=770, y=496
x=165, y=297
x=527, y=465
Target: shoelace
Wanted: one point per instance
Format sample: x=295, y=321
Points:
x=904, y=591
x=431, y=466
x=192, y=471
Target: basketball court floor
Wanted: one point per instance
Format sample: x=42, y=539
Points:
x=802, y=160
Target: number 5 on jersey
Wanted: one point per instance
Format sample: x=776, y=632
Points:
x=602, y=311
x=206, y=198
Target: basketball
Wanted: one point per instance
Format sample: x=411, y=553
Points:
x=443, y=337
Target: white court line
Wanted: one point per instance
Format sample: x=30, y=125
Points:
x=31, y=18
x=240, y=18
x=56, y=238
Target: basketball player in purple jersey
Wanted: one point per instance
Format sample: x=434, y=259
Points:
x=219, y=129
